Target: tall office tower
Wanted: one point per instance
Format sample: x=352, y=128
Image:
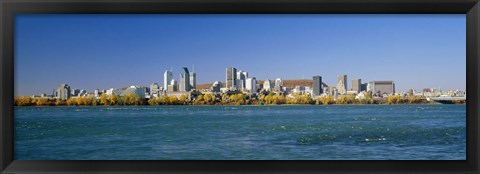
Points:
x=184, y=80
x=63, y=92
x=357, y=85
x=342, y=84
x=241, y=80
x=231, y=77
x=193, y=80
x=267, y=85
x=317, y=85
x=245, y=74
x=173, y=86
x=167, y=78
x=251, y=84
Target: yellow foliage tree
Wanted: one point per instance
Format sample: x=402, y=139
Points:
x=42, y=102
x=23, y=101
x=173, y=100
x=104, y=99
x=393, y=99
x=113, y=100
x=182, y=99
x=71, y=102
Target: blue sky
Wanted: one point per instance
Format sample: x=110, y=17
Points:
x=103, y=51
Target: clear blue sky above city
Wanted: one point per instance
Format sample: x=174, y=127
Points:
x=111, y=51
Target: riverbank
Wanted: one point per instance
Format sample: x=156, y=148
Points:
x=171, y=101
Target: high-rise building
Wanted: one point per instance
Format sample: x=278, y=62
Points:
x=381, y=88
x=251, y=84
x=363, y=87
x=317, y=85
x=267, y=85
x=342, y=84
x=241, y=79
x=173, y=86
x=357, y=85
x=184, y=85
x=231, y=77
x=63, y=92
x=193, y=80
x=245, y=74
x=167, y=78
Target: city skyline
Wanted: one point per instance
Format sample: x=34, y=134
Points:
x=49, y=56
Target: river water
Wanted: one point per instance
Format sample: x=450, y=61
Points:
x=287, y=132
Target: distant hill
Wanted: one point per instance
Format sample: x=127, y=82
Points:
x=286, y=83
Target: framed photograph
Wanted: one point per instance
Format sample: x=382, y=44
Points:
x=239, y=87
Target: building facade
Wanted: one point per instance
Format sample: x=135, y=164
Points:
x=241, y=79
x=231, y=78
x=184, y=85
x=251, y=84
x=173, y=86
x=380, y=88
x=216, y=86
x=317, y=85
x=342, y=84
x=63, y=92
x=357, y=85
x=167, y=78
x=267, y=85
x=193, y=80
x=155, y=89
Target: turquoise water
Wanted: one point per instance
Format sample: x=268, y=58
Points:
x=350, y=132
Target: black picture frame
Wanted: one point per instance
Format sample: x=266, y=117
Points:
x=9, y=8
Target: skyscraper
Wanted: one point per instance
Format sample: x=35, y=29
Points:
x=317, y=85
x=173, y=86
x=184, y=80
x=245, y=74
x=342, y=84
x=231, y=77
x=167, y=78
x=357, y=85
x=63, y=92
x=193, y=80
x=241, y=79
x=251, y=84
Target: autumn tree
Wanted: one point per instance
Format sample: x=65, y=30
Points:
x=182, y=99
x=104, y=99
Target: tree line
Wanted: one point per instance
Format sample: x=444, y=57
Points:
x=209, y=99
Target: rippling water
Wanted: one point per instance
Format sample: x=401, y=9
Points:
x=358, y=132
